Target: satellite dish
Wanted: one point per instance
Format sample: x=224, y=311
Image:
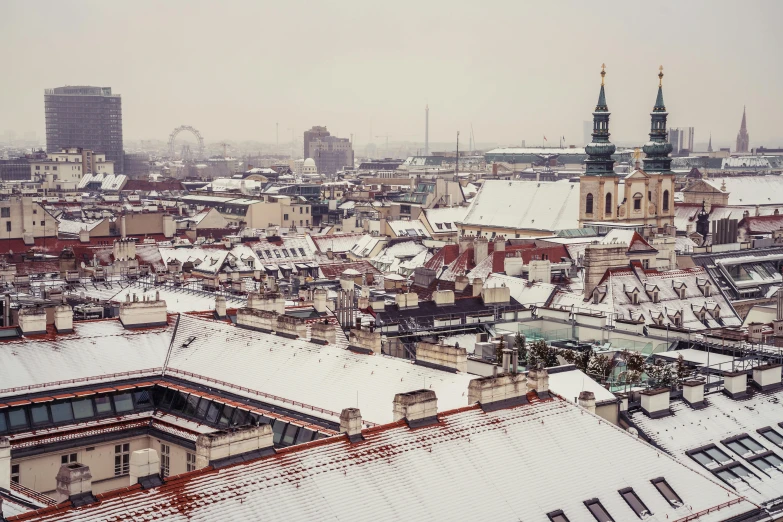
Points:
x=82, y=264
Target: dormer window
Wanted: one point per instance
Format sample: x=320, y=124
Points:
x=633, y=294
x=679, y=287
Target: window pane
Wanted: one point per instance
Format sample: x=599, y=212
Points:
x=774, y=436
x=304, y=435
x=17, y=418
x=762, y=464
x=277, y=431
x=202, y=408
x=225, y=416
x=718, y=455
x=179, y=402
x=82, y=408
x=634, y=502
x=142, y=398
x=62, y=412
x=727, y=476
x=774, y=460
x=39, y=414
x=212, y=413
x=290, y=434
x=741, y=471
x=667, y=492
x=3, y=425
x=192, y=404
x=736, y=446
x=103, y=404
x=754, y=446
x=599, y=512
x=240, y=417
x=703, y=459
x=123, y=402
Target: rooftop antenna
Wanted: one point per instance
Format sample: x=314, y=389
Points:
x=277, y=138
x=456, y=165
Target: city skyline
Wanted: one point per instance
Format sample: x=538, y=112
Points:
x=230, y=84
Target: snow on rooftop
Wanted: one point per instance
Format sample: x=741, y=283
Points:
x=179, y=300
x=323, y=376
x=521, y=290
x=569, y=383
x=534, y=460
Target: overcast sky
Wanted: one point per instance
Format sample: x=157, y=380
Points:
x=514, y=70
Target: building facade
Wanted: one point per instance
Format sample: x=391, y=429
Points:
x=86, y=117
x=331, y=154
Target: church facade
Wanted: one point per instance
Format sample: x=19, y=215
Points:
x=643, y=197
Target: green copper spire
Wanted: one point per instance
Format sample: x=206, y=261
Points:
x=657, y=150
x=599, y=160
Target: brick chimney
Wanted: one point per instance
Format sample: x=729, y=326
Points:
x=221, y=448
x=418, y=408
x=442, y=356
x=319, y=300
x=268, y=301
x=322, y=332
x=478, y=286
x=480, y=249
x=443, y=297
x=498, y=391
x=220, y=306
x=253, y=319
x=364, y=339
x=735, y=384
x=767, y=376
x=291, y=326
x=460, y=283
x=538, y=381
x=587, y=401
x=351, y=424
x=74, y=482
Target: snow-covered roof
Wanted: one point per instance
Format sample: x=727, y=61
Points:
x=688, y=429
x=443, y=220
x=205, y=260
x=568, y=382
x=365, y=245
x=338, y=243
x=413, y=228
x=179, y=300
x=521, y=290
x=539, y=151
x=525, y=205
x=754, y=190
x=328, y=377
x=70, y=226
x=558, y=456
x=95, y=348
x=107, y=181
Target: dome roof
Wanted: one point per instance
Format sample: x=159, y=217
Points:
x=309, y=162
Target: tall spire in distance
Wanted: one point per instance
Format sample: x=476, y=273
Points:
x=599, y=152
x=709, y=145
x=743, y=139
x=657, y=150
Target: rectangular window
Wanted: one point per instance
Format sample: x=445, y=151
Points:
x=15, y=473
x=103, y=404
x=285, y=217
x=3, y=424
x=710, y=457
x=667, y=492
x=768, y=433
x=597, y=509
x=40, y=414
x=290, y=434
x=67, y=459
x=734, y=474
x=190, y=461
x=165, y=460
x=17, y=418
x=557, y=516
x=82, y=408
x=212, y=413
x=123, y=402
x=744, y=446
x=7, y=226
x=767, y=463
x=634, y=502
x=121, y=459
x=62, y=412
x=277, y=431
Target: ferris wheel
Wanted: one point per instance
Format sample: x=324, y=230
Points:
x=192, y=130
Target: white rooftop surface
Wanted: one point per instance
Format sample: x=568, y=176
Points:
x=723, y=417
x=533, y=150
x=568, y=384
x=96, y=348
x=449, y=215
x=68, y=226
x=207, y=260
x=701, y=358
x=537, y=293
x=413, y=228
x=179, y=300
x=433, y=473
x=753, y=190
x=322, y=376
x=525, y=205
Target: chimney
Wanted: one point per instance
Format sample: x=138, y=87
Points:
x=143, y=463
x=506, y=359
x=323, y=333
x=84, y=236
x=587, y=401
x=351, y=424
x=63, y=318
x=418, y=408
x=140, y=314
x=478, y=285
x=767, y=376
x=5, y=464
x=498, y=391
x=252, y=319
x=32, y=321
x=443, y=297
x=735, y=384
x=500, y=244
x=329, y=253
x=460, y=283
x=221, y=448
x=407, y=300
x=655, y=402
x=442, y=356
x=220, y=306
x=364, y=340
x=538, y=381
x=291, y=326
x=464, y=243
x=269, y=301
x=693, y=393
x=480, y=249
x=74, y=482
x=319, y=300
x=496, y=295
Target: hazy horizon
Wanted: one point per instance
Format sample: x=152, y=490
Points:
x=515, y=71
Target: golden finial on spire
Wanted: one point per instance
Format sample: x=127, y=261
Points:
x=660, y=76
x=637, y=154
x=603, y=72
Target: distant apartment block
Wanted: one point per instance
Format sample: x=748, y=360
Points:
x=681, y=139
x=63, y=170
x=330, y=153
x=86, y=117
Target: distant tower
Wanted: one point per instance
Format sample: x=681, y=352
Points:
x=657, y=150
x=743, y=139
x=703, y=222
x=599, y=160
x=426, y=130
x=709, y=145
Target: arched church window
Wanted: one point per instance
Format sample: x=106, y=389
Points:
x=608, y=209
x=665, y=200
x=637, y=201
x=589, y=204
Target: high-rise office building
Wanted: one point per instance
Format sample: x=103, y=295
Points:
x=330, y=153
x=86, y=117
x=681, y=139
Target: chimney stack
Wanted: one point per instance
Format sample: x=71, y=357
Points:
x=319, y=300
x=63, y=319
x=478, y=286
x=418, y=408
x=693, y=393
x=538, y=381
x=322, y=332
x=655, y=402
x=460, y=283
x=5, y=464
x=140, y=314
x=735, y=384
x=143, y=463
x=220, y=306
x=587, y=401
x=32, y=321
x=221, y=448
x=351, y=424
x=74, y=482
x=767, y=376
x=498, y=391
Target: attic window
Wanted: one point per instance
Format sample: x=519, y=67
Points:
x=668, y=493
x=711, y=457
x=744, y=446
x=634, y=502
x=557, y=516
x=733, y=474
x=767, y=462
x=598, y=510
x=655, y=297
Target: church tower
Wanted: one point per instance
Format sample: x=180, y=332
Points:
x=657, y=150
x=598, y=186
x=743, y=139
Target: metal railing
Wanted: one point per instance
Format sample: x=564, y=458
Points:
x=695, y=516
x=78, y=380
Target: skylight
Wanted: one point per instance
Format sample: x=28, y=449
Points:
x=744, y=446
x=767, y=462
x=734, y=474
x=772, y=436
x=668, y=493
x=710, y=457
x=634, y=502
x=557, y=516
x=598, y=510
